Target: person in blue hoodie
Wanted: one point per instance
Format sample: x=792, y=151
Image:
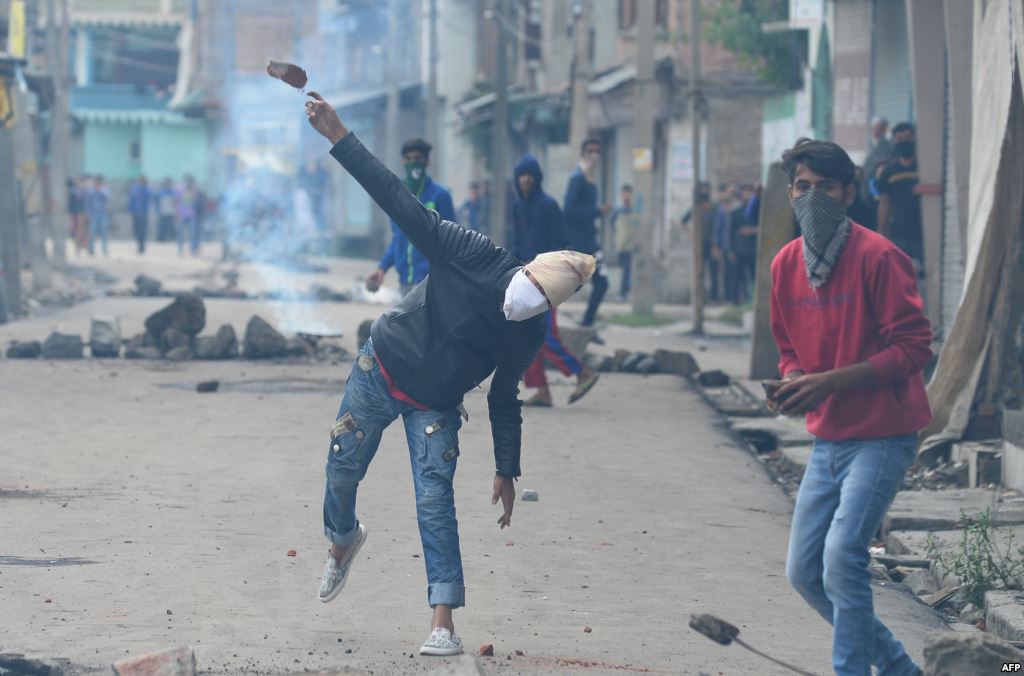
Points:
x=538, y=227
x=411, y=265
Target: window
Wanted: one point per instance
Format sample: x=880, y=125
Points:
x=628, y=13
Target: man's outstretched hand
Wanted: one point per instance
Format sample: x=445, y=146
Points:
x=504, y=488
x=324, y=118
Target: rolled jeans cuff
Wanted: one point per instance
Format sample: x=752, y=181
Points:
x=343, y=540
x=446, y=593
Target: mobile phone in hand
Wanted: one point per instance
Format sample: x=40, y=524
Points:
x=771, y=388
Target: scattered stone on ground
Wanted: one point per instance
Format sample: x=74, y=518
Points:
x=147, y=286
x=601, y=363
x=172, y=339
x=788, y=431
x=529, y=495
x=971, y=614
x=208, y=386
x=62, y=346
x=105, y=337
x=221, y=345
x=219, y=292
x=679, y=363
x=960, y=654
x=175, y=662
x=487, y=650
x=647, y=365
x=141, y=346
x=319, y=292
x=328, y=349
x=947, y=475
x=262, y=341
x=179, y=354
x=186, y=313
x=629, y=364
x=619, y=357
x=27, y=349
x=298, y=347
x=713, y=378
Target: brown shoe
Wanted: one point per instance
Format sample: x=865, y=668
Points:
x=539, y=401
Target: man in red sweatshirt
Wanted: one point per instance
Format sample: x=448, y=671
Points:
x=853, y=339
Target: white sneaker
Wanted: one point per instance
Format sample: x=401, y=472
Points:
x=442, y=643
x=335, y=574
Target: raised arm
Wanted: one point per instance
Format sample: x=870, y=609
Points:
x=435, y=238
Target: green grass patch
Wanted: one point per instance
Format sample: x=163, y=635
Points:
x=639, y=321
x=733, y=314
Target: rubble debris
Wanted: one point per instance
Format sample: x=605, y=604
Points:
x=220, y=292
x=221, y=345
x=141, y=347
x=179, y=354
x=175, y=662
x=325, y=294
x=678, y=363
x=172, y=339
x=971, y=614
x=587, y=630
x=331, y=350
x=630, y=363
x=17, y=663
x=618, y=358
x=292, y=552
x=947, y=653
x=713, y=378
x=599, y=362
x=298, y=347
x=647, y=365
x=208, y=386
x=62, y=346
x=1004, y=614
x=938, y=598
x=105, y=337
x=147, y=286
x=187, y=314
x=530, y=496
x=487, y=650
x=28, y=349
x=262, y=341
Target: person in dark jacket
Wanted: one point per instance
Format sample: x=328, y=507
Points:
x=410, y=264
x=480, y=312
x=139, y=201
x=581, y=214
x=538, y=228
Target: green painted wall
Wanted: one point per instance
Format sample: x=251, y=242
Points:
x=107, y=149
x=175, y=150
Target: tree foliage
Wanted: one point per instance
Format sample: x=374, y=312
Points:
x=736, y=25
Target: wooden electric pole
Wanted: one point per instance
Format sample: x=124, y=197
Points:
x=60, y=132
x=643, y=163
x=499, y=130
x=581, y=72
x=433, y=133
x=696, y=217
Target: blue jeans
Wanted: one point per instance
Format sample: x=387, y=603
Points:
x=98, y=227
x=846, y=490
x=433, y=438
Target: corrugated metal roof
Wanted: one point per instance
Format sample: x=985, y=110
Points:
x=132, y=116
x=132, y=19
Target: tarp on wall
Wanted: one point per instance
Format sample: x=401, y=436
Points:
x=974, y=361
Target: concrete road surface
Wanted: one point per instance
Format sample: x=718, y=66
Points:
x=138, y=514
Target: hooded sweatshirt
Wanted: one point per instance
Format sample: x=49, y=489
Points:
x=538, y=226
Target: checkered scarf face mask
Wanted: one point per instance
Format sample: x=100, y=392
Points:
x=825, y=228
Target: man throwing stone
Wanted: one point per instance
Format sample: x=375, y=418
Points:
x=480, y=311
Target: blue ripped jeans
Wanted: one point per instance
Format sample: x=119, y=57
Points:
x=846, y=490
x=433, y=438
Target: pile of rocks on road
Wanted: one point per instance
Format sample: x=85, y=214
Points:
x=172, y=333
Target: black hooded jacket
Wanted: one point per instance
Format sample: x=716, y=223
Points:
x=450, y=333
x=538, y=226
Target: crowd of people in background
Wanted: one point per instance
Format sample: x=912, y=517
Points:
x=179, y=211
x=886, y=200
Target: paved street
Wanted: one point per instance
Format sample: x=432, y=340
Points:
x=139, y=515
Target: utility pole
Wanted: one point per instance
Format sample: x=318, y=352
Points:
x=643, y=162
x=59, y=168
x=581, y=72
x=391, y=145
x=10, y=221
x=499, y=131
x=696, y=218
x=433, y=134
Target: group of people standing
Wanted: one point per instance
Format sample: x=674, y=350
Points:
x=537, y=225
x=179, y=211
x=885, y=200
